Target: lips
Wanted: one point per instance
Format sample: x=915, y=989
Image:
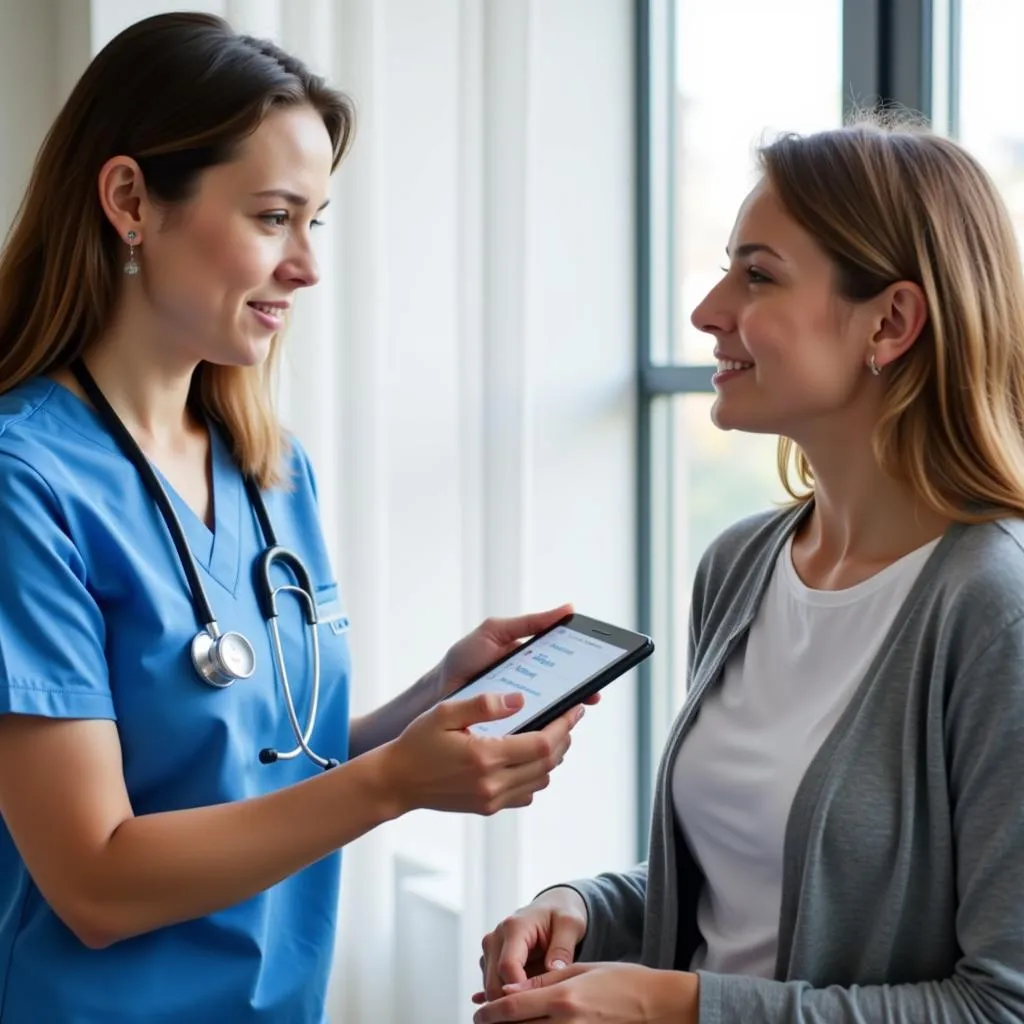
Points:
x=270, y=308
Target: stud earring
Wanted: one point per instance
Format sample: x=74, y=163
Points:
x=873, y=366
x=131, y=268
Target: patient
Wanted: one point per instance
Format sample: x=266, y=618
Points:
x=838, y=830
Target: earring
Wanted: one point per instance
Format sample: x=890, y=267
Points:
x=131, y=268
x=873, y=366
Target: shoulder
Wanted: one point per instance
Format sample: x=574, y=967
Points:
x=295, y=512
x=28, y=439
x=973, y=628
x=298, y=473
x=39, y=428
x=25, y=423
x=979, y=576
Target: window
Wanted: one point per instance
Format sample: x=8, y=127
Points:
x=981, y=82
x=721, y=78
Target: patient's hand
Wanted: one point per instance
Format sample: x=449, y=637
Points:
x=599, y=994
x=537, y=938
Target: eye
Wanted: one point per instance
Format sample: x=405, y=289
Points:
x=317, y=223
x=753, y=274
x=278, y=219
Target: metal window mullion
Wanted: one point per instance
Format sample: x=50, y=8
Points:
x=953, y=88
x=644, y=577
x=863, y=75
x=887, y=54
x=908, y=52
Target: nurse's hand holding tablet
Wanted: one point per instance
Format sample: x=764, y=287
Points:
x=507, y=721
x=438, y=762
x=441, y=760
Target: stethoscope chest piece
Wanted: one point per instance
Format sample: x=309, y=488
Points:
x=224, y=659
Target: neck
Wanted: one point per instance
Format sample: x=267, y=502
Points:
x=861, y=514
x=147, y=387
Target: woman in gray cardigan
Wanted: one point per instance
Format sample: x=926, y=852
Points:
x=838, y=830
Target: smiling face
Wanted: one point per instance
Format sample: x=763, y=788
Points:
x=220, y=271
x=791, y=352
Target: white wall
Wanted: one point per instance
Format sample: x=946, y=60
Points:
x=463, y=379
x=579, y=331
x=28, y=93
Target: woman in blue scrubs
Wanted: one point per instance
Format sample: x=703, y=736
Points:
x=157, y=862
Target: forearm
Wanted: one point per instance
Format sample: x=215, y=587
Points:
x=725, y=999
x=676, y=994
x=160, y=869
x=615, y=914
x=368, y=732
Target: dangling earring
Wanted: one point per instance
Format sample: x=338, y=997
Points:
x=131, y=268
x=873, y=366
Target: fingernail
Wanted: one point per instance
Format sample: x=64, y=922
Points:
x=511, y=700
x=579, y=713
x=558, y=965
x=513, y=986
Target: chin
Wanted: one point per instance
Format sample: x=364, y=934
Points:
x=726, y=416
x=723, y=417
x=249, y=352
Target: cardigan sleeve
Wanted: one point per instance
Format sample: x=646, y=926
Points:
x=615, y=914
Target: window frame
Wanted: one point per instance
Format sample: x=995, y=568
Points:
x=887, y=58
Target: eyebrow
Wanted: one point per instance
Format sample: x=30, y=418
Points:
x=750, y=248
x=288, y=196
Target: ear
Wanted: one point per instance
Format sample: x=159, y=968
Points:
x=900, y=313
x=122, y=193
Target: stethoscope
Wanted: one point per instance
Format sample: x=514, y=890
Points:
x=221, y=659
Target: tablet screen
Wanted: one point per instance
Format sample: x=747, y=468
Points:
x=543, y=670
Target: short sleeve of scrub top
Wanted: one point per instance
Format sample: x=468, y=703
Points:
x=52, y=632
x=95, y=623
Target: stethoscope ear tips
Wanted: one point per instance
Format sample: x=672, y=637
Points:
x=268, y=756
x=331, y=763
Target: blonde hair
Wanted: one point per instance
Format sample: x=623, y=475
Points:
x=179, y=93
x=889, y=201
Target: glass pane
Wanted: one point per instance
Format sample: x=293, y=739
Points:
x=745, y=70
x=991, y=81
x=703, y=480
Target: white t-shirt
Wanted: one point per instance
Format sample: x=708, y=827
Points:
x=738, y=770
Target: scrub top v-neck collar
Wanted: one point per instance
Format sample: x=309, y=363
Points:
x=217, y=551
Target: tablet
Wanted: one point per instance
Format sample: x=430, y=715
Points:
x=556, y=670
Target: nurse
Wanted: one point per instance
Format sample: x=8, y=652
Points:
x=158, y=862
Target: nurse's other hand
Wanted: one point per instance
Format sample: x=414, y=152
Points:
x=539, y=937
x=491, y=640
x=439, y=764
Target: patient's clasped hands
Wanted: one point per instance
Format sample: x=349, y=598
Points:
x=529, y=974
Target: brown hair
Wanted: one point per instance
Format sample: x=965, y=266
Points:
x=179, y=93
x=890, y=201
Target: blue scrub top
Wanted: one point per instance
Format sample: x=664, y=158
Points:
x=95, y=622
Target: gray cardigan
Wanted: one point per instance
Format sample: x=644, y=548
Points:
x=903, y=874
